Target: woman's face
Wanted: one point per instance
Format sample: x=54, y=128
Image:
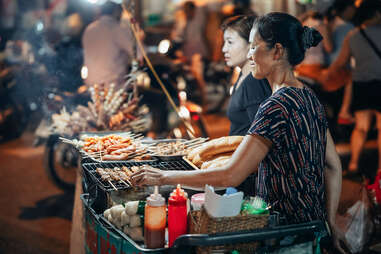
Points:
x=235, y=48
x=260, y=57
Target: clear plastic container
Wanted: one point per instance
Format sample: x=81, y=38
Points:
x=155, y=221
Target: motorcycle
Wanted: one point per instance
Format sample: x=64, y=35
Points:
x=61, y=160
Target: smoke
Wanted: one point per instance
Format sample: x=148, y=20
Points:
x=45, y=55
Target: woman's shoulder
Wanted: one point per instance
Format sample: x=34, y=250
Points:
x=253, y=85
x=255, y=90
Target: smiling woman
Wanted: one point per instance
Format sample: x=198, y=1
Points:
x=288, y=144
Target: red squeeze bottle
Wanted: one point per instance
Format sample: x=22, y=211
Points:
x=177, y=214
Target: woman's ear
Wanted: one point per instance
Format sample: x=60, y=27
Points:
x=278, y=51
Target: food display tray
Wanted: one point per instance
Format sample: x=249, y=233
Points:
x=90, y=168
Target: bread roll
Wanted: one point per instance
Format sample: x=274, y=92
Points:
x=221, y=145
x=194, y=152
x=197, y=160
x=216, y=162
x=215, y=147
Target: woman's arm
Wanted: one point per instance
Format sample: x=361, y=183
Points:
x=333, y=177
x=343, y=57
x=244, y=162
x=327, y=41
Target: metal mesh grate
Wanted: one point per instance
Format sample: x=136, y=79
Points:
x=175, y=165
x=105, y=185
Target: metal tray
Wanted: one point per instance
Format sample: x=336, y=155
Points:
x=106, y=186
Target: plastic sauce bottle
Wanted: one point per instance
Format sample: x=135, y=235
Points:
x=177, y=214
x=155, y=221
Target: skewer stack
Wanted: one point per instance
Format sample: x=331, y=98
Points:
x=118, y=175
x=177, y=147
x=111, y=147
x=109, y=109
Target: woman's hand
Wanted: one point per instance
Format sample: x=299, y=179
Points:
x=147, y=176
x=337, y=238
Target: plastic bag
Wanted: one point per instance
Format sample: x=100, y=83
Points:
x=356, y=224
x=374, y=194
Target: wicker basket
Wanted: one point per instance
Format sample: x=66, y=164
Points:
x=202, y=223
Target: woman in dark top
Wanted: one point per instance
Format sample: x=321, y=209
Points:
x=248, y=92
x=289, y=143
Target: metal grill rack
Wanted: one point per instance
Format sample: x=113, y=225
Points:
x=106, y=186
x=90, y=168
x=175, y=165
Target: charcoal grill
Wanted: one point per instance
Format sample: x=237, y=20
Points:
x=90, y=168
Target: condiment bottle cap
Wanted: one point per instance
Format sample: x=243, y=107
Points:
x=155, y=199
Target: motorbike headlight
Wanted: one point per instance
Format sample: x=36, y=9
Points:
x=84, y=72
x=164, y=46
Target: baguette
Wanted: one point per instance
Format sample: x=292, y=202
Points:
x=199, y=161
x=216, y=162
x=194, y=152
x=214, y=147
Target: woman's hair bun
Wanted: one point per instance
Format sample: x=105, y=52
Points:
x=310, y=37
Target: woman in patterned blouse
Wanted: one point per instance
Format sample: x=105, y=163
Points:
x=289, y=144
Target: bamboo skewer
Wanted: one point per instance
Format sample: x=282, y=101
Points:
x=112, y=185
x=194, y=145
x=195, y=140
x=125, y=182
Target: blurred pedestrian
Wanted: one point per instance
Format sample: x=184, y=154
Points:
x=108, y=47
x=314, y=63
x=189, y=31
x=364, y=45
x=339, y=19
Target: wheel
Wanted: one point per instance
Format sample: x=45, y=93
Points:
x=61, y=163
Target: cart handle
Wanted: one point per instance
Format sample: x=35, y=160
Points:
x=190, y=240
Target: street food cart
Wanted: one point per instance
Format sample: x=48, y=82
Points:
x=102, y=191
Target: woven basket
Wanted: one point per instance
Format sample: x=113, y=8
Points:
x=202, y=223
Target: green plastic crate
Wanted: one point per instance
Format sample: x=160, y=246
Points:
x=108, y=241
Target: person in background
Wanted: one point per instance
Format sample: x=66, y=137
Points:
x=108, y=48
x=366, y=76
x=313, y=62
x=189, y=31
x=243, y=7
x=248, y=92
x=289, y=142
x=339, y=19
x=8, y=20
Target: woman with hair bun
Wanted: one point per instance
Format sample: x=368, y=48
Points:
x=289, y=144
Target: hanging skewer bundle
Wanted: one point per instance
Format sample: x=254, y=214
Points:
x=110, y=108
